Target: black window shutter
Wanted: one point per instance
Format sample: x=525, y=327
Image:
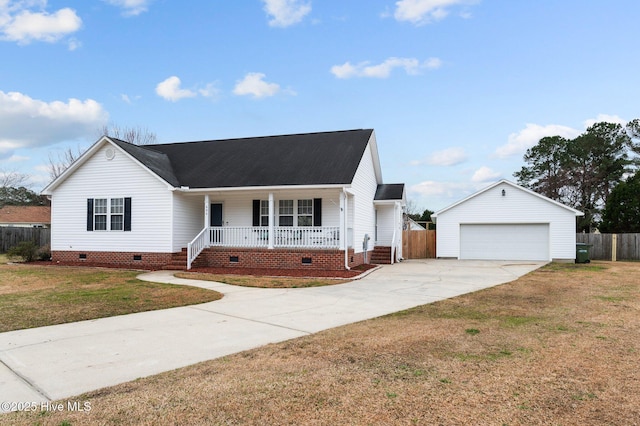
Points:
x=127, y=214
x=89, y=214
x=317, y=212
x=256, y=212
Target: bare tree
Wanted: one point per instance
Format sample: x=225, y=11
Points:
x=13, y=179
x=60, y=163
x=134, y=135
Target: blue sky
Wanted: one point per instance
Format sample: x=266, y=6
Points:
x=456, y=90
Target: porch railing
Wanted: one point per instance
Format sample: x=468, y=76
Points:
x=195, y=247
x=284, y=236
x=319, y=237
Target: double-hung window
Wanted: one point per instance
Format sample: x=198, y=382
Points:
x=285, y=211
x=305, y=212
x=264, y=212
x=100, y=214
x=117, y=214
x=109, y=214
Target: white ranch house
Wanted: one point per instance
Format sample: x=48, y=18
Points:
x=313, y=201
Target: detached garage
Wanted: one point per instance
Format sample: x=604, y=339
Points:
x=506, y=222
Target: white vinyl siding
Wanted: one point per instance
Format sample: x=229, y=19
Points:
x=188, y=219
x=517, y=206
x=238, y=206
x=364, y=188
x=150, y=215
x=385, y=224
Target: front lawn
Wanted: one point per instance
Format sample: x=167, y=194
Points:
x=559, y=346
x=36, y=296
x=261, y=281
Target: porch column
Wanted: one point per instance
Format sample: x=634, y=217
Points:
x=272, y=228
x=207, y=213
x=343, y=228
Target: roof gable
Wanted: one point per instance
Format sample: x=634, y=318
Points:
x=504, y=181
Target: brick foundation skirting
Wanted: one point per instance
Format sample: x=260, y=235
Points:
x=120, y=259
x=216, y=257
x=225, y=257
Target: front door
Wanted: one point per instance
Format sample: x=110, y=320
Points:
x=215, y=219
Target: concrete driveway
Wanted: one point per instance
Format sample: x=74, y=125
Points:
x=50, y=363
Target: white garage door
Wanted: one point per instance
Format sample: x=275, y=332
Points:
x=505, y=241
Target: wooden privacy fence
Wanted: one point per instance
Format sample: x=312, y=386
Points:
x=11, y=236
x=419, y=244
x=612, y=246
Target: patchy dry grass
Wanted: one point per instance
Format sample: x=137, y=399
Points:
x=261, y=281
x=35, y=296
x=559, y=346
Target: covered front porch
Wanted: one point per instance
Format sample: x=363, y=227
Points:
x=276, y=222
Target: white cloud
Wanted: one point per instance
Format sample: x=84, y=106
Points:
x=604, y=118
x=131, y=7
x=74, y=44
x=170, y=90
x=447, y=157
x=485, y=174
x=432, y=188
x=411, y=66
x=17, y=159
x=20, y=24
x=518, y=143
x=284, y=13
x=253, y=84
x=27, y=122
x=209, y=91
x=420, y=12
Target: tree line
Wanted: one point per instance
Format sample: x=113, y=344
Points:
x=596, y=173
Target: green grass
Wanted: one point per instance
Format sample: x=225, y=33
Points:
x=36, y=296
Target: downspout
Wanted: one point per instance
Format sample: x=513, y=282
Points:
x=344, y=203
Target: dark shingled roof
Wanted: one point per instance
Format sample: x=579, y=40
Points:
x=157, y=162
x=390, y=191
x=303, y=159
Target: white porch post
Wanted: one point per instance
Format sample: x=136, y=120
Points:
x=207, y=204
x=343, y=228
x=272, y=228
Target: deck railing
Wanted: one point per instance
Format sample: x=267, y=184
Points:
x=284, y=236
x=319, y=237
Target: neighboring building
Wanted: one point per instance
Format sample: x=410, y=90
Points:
x=26, y=216
x=290, y=201
x=507, y=222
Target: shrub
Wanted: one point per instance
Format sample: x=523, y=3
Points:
x=44, y=253
x=27, y=250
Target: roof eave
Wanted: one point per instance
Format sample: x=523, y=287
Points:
x=259, y=188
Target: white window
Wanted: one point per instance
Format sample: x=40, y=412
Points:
x=305, y=212
x=117, y=214
x=285, y=213
x=108, y=215
x=100, y=214
x=264, y=212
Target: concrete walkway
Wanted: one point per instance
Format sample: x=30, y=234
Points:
x=55, y=362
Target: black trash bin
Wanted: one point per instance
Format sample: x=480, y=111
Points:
x=582, y=253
